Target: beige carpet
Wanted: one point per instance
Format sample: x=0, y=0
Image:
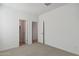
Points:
x=35, y=50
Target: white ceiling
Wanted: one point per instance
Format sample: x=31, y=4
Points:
x=33, y=8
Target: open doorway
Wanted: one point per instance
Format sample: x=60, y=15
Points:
x=22, y=32
x=34, y=32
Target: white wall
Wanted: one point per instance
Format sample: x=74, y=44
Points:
x=40, y=30
x=62, y=27
x=0, y=30
x=9, y=24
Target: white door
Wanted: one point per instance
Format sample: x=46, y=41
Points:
x=40, y=32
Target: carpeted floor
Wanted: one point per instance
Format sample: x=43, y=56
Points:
x=35, y=50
